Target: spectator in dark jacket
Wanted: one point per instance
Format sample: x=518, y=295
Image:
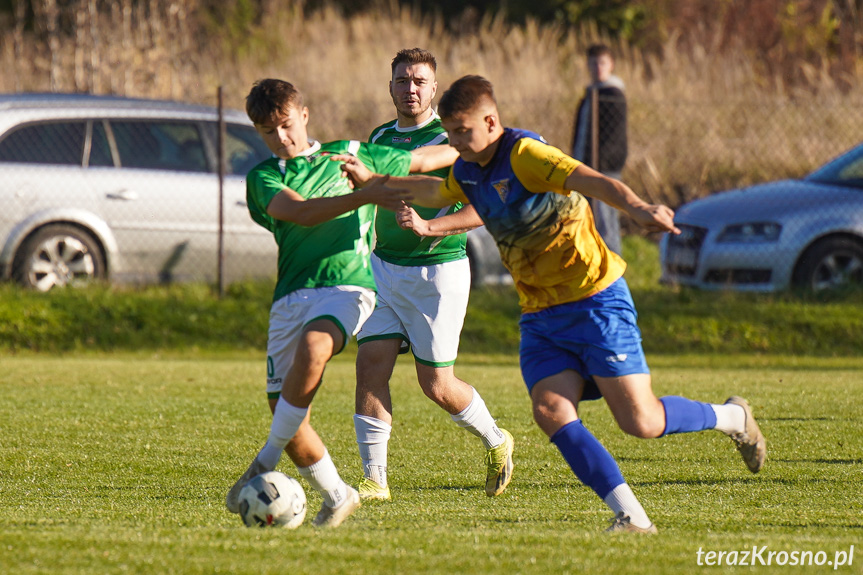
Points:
x=611, y=124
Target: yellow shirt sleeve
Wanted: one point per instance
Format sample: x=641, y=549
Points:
x=450, y=190
x=541, y=167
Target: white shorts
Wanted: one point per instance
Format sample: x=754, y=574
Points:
x=422, y=305
x=346, y=306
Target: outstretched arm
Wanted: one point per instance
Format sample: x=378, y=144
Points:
x=653, y=217
x=422, y=190
x=429, y=158
x=289, y=206
x=460, y=222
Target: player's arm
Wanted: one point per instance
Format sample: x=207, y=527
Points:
x=531, y=160
x=289, y=206
x=589, y=182
x=430, y=158
x=422, y=190
x=460, y=222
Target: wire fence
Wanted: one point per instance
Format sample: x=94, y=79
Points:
x=128, y=190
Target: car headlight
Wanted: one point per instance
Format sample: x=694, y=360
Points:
x=750, y=233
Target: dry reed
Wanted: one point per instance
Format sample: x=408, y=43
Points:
x=699, y=120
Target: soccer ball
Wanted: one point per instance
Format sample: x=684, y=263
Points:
x=273, y=499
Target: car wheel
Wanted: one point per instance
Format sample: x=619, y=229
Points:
x=58, y=255
x=830, y=263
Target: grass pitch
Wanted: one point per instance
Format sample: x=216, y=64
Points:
x=119, y=464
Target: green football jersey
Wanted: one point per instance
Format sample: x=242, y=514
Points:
x=403, y=247
x=334, y=252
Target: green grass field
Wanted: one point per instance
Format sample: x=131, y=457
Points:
x=120, y=463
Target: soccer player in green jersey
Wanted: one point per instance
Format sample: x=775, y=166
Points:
x=325, y=287
x=423, y=287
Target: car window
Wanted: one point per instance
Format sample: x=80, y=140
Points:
x=100, y=149
x=244, y=149
x=844, y=170
x=46, y=143
x=853, y=171
x=174, y=146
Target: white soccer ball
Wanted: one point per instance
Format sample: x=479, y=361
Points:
x=273, y=499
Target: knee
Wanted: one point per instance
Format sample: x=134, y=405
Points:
x=552, y=415
x=314, y=348
x=642, y=425
x=434, y=389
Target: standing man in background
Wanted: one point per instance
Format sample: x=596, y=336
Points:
x=611, y=124
x=423, y=288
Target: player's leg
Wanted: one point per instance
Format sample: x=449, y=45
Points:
x=555, y=399
x=469, y=411
x=328, y=316
x=431, y=301
x=314, y=346
x=376, y=359
x=614, y=359
x=315, y=465
x=317, y=343
x=381, y=339
x=640, y=413
x=550, y=353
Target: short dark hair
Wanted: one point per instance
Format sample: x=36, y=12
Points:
x=414, y=56
x=597, y=50
x=272, y=98
x=464, y=94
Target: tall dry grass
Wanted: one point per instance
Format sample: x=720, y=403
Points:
x=699, y=120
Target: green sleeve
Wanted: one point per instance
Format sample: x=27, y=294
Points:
x=385, y=159
x=262, y=184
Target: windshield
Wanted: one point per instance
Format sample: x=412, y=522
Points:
x=846, y=170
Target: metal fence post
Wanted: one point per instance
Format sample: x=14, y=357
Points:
x=594, y=128
x=221, y=166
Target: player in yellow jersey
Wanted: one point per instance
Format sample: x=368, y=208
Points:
x=579, y=336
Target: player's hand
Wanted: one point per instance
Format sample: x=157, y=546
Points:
x=408, y=219
x=375, y=191
x=656, y=218
x=353, y=168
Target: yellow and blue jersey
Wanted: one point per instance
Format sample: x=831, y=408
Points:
x=545, y=233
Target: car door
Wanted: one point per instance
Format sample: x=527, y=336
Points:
x=41, y=166
x=250, y=250
x=160, y=198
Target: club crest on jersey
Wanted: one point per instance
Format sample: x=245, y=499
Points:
x=319, y=155
x=400, y=140
x=502, y=188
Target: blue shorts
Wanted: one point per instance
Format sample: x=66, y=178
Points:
x=597, y=336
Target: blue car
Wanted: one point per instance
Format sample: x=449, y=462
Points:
x=805, y=233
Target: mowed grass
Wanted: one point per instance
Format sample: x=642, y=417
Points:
x=120, y=463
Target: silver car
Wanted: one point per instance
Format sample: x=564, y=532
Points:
x=805, y=233
x=97, y=187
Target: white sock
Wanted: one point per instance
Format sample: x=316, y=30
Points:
x=477, y=419
x=623, y=499
x=373, y=435
x=287, y=419
x=324, y=478
x=730, y=418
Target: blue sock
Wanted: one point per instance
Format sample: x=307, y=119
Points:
x=587, y=458
x=685, y=415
